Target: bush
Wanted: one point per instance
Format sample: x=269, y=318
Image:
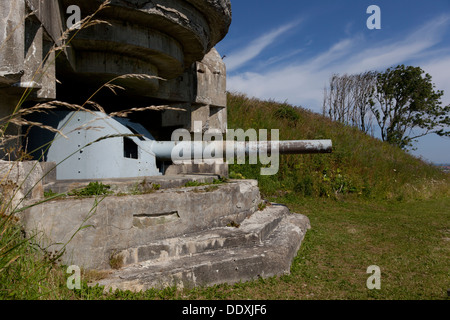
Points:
x=287, y=112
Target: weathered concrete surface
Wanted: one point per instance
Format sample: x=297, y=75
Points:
x=254, y=230
x=162, y=38
x=26, y=58
x=263, y=246
x=122, y=222
x=194, y=236
x=130, y=185
x=13, y=46
x=195, y=26
x=209, y=98
x=19, y=181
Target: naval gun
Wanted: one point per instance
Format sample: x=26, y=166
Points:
x=93, y=145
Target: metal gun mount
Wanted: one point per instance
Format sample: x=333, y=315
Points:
x=97, y=146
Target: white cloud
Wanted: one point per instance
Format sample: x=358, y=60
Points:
x=302, y=82
x=395, y=52
x=240, y=57
x=439, y=70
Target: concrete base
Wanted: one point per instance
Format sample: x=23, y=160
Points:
x=264, y=245
x=123, y=221
x=184, y=236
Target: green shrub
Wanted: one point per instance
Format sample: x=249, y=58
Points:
x=286, y=112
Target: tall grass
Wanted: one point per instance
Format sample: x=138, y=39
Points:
x=360, y=166
x=26, y=271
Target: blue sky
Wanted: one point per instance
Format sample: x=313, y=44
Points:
x=286, y=50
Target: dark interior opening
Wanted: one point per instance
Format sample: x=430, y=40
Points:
x=130, y=149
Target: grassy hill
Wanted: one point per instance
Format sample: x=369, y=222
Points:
x=359, y=167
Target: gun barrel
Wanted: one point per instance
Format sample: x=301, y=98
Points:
x=165, y=150
x=300, y=146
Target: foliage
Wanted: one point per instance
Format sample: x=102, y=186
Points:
x=402, y=101
x=26, y=271
x=198, y=184
x=234, y=175
x=285, y=111
x=406, y=100
x=49, y=193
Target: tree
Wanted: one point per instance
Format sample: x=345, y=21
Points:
x=348, y=98
x=363, y=91
x=405, y=100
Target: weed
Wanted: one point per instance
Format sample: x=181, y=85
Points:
x=237, y=176
x=144, y=187
x=92, y=189
x=116, y=261
x=193, y=184
x=198, y=184
x=49, y=194
x=156, y=186
x=262, y=205
x=233, y=224
x=286, y=112
x=211, y=188
x=221, y=180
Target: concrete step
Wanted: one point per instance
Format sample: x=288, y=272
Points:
x=271, y=256
x=252, y=231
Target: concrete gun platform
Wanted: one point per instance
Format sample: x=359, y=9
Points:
x=184, y=236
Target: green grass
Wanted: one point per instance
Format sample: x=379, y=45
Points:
x=405, y=239
x=26, y=271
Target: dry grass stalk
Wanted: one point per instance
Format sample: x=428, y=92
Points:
x=86, y=22
x=125, y=113
x=112, y=86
